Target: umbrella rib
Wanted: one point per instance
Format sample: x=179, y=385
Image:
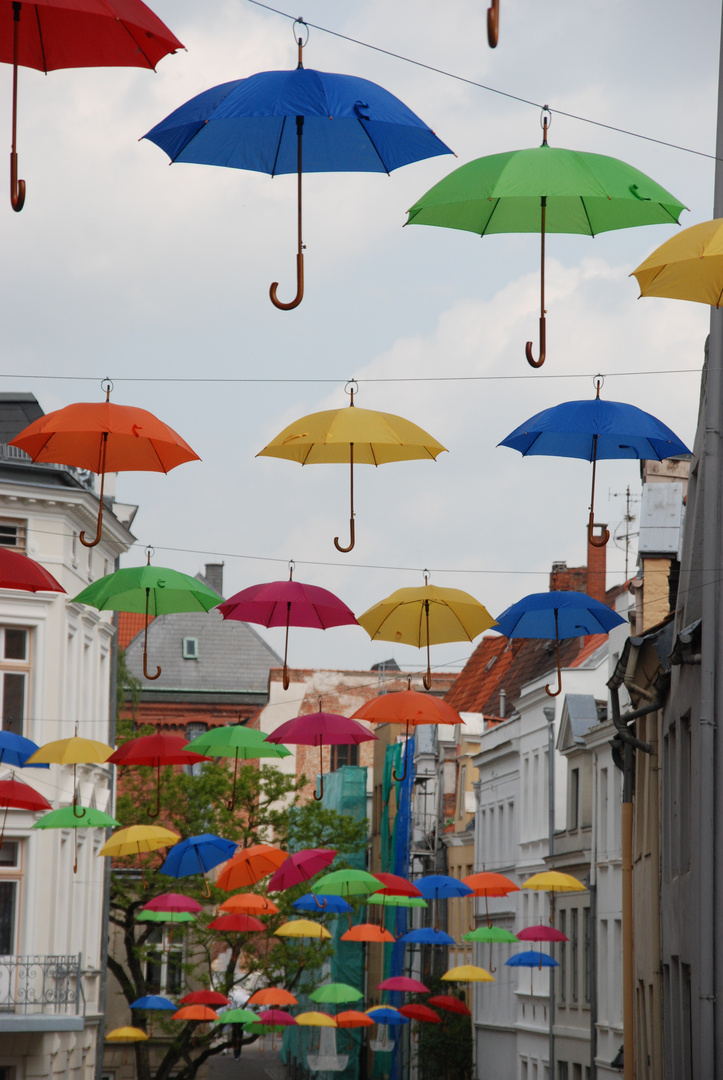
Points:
x=40, y=39
x=278, y=150
x=374, y=145
x=587, y=216
x=486, y=225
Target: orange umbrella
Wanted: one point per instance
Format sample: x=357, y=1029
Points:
x=368, y=932
x=104, y=438
x=351, y=1018
x=250, y=865
x=195, y=1012
x=247, y=903
x=486, y=883
x=272, y=995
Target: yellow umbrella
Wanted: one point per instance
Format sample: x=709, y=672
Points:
x=352, y=435
x=426, y=616
x=468, y=973
x=315, y=1019
x=126, y=1035
x=553, y=881
x=302, y=928
x=73, y=752
x=136, y=839
x=689, y=266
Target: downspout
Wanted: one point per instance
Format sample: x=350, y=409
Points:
x=593, y=924
x=549, y=712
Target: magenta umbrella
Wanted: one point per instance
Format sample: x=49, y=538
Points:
x=404, y=984
x=172, y=901
x=321, y=729
x=276, y=1016
x=288, y=603
x=541, y=933
x=302, y=866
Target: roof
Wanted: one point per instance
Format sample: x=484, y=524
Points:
x=129, y=624
x=17, y=411
x=582, y=714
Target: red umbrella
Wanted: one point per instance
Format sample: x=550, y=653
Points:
x=172, y=901
x=163, y=748
x=288, y=603
x=104, y=437
x=55, y=34
x=394, y=885
x=302, y=866
x=276, y=1016
x=231, y=924
x=19, y=572
x=451, y=1004
x=250, y=865
x=321, y=729
x=205, y=997
x=420, y=1012
x=21, y=797
x=541, y=933
x=404, y=984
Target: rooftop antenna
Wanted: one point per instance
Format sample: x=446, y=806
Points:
x=625, y=524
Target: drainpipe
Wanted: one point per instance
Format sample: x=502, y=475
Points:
x=592, y=887
x=549, y=711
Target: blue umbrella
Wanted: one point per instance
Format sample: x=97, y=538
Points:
x=426, y=935
x=196, y=855
x=593, y=430
x=345, y=124
x=153, y=1001
x=531, y=958
x=330, y=905
x=15, y=750
x=441, y=887
x=555, y=615
x=384, y=1014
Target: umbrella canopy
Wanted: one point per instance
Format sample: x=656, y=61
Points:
x=200, y=1013
x=553, y=881
x=353, y=435
x=387, y=1014
x=205, y=997
x=67, y=817
x=689, y=266
x=420, y=1012
x=467, y=973
x=136, y=839
x=301, y=866
x=16, y=749
x=288, y=603
x=293, y=122
x=541, y=933
x=153, y=1001
x=490, y=934
x=531, y=959
x=126, y=1035
x=426, y=616
x=104, y=437
x=451, y=1004
x=155, y=751
x=248, y=904
x=196, y=855
x=98, y=33
x=165, y=916
x=14, y=793
x=426, y=935
x=250, y=865
x=545, y=189
x=173, y=902
x=322, y=729
x=347, y=883
x=395, y=885
x=273, y=995
x=441, y=887
x=368, y=932
x=72, y=751
x=404, y=984
x=315, y=1019
x=335, y=994
x=322, y=903
x=351, y=1018
x=237, y=1016
x=302, y=928
x=19, y=572
x=238, y=742
x=592, y=430
x=149, y=590
x=487, y=883
x=555, y=615
x=395, y=901
x=277, y=1017
x=236, y=924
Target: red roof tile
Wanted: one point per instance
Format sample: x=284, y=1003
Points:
x=130, y=624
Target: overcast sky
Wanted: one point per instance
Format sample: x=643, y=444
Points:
x=158, y=277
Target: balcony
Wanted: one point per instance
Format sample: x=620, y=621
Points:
x=41, y=993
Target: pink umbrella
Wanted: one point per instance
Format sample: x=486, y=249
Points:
x=276, y=1016
x=302, y=866
x=156, y=750
x=405, y=984
x=321, y=729
x=288, y=603
x=541, y=933
x=172, y=901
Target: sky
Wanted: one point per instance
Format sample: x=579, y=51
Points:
x=157, y=276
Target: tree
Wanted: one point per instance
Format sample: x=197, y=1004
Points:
x=266, y=811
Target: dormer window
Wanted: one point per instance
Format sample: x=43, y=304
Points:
x=12, y=533
x=190, y=648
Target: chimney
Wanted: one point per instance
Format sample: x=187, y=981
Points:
x=597, y=567
x=503, y=702
x=213, y=574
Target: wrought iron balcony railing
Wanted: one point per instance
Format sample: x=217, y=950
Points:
x=41, y=984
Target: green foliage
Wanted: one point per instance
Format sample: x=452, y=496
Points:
x=445, y=1050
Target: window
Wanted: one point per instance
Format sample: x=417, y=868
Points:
x=344, y=755
x=190, y=648
x=562, y=920
x=562, y=1070
x=9, y=880
x=574, y=953
x=164, y=967
x=574, y=798
x=12, y=533
x=587, y=956
x=14, y=669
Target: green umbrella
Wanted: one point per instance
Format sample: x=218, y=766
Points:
x=335, y=994
x=153, y=590
x=346, y=883
x=165, y=916
x=238, y=742
x=397, y=901
x=237, y=1016
x=490, y=933
x=545, y=189
x=66, y=817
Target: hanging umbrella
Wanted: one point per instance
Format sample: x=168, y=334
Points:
x=173, y=902
x=450, y=1004
x=136, y=839
x=237, y=1016
x=395, y=884
x=368, y=932
x=272, y=995
x=54, y=34
x=14, y=793
x=404, y=984
x=553, y=881
x=196, y=855
x=277, y=1017
x=486, y=883
x=73, y=752
x=420, y=1012
x=66, y=817
x=689, y=266
x=155, y=751
x=250, y=865
x=16, y=749
x=408, y=707
x=125, y=1035
x=205, y=997
x=441, y=887
x=387, y=1014
x=302, y=928
x=237, y=924
x=556, y=615
x=352, y=1018
x=153, y=1001
x=357, y=436
x=19, y=572
x=330, y=905
x=301, y=866
x=495, y=934
x=199, y=1013
x=467, y=973
x=541, y=933
x=335, y=994
x=238, y=742
x=103, y=437
x=288, y=603
x=543, y=190
x=426, y=935
x=315, y=1019
x=426, y=616
x=149, y=590
x=532, y=959
x=294, y=121
x=348, y=882
x=248, y=904
x=171, y=917
x=593, y=430
x=321, y=729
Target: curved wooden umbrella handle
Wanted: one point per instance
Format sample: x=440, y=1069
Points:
x=145, y=641
x=427, y=677
x=493, y=24
x=554, y=693
x=352, y=537
x=595, y=541
x=543, y=328
x=154, y=812
x=405, y=754
x=543, y=347
x=320, y=796
x=146, y=672
x=299, y=288
x=17, y=187
x=285, y=677
x=99, y=529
